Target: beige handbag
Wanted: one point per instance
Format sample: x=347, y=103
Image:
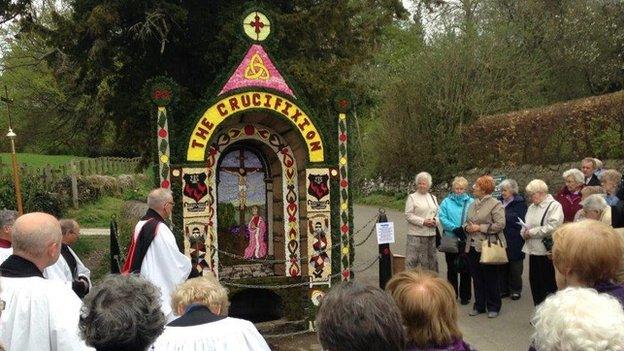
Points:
x=493, y=252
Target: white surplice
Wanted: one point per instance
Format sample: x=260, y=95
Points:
x=60, y=270
x=40, y=315
x=164, y=265
x=5, y=253
x=223, y=335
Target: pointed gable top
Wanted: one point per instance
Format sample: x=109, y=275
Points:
x=257, y=70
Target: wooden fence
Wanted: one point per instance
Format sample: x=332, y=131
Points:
x=100, y=165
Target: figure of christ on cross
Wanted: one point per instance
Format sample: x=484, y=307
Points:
x=242, y=172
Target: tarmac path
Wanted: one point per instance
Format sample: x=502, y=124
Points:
x=511, y=331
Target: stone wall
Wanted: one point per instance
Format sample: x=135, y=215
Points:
x=551, y=174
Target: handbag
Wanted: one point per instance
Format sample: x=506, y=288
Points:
x=493, y=252
x=547, y=240
x=449, y=244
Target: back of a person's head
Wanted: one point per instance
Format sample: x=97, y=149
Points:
x=205, y=290
x=122, y=313
x=33, y=232
x=579, y=319
x=428, y=306
x=589, y=249
x=357, y=317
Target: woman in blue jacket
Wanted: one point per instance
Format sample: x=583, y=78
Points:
x=515, y=207
x=452, y=215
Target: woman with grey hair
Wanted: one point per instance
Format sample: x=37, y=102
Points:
x=421, y=213
x=122, y=314
x=570, y=195
x=544, y=215
x=515, y=208
x=595, y=207
x=578, y=319
x=611, y=181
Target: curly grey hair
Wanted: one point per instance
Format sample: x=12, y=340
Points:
x=123, y=314
x=510, y=185
x=576, y=174
x=424, y=176
x=7, y=217
x=595, y=202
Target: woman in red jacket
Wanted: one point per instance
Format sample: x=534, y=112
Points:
x=570, y=195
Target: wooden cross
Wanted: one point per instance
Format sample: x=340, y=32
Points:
x=241, y=171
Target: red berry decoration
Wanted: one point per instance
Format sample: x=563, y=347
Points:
x=162, y=133
x=165, y=184
x=249, y=130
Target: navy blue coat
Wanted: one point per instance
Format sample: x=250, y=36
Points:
x=517, y=208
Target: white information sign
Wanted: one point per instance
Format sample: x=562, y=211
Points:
x=385, y=233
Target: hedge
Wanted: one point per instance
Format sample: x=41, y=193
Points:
x=566, y=131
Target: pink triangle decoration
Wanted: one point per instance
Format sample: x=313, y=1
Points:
x=257, y=70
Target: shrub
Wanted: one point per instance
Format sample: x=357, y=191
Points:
x=566, y=131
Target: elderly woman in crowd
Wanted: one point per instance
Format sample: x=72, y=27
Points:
x=486, y=218
x=588, y=254
x=452, y=215
x=122, y=313
x=421, y=212
x=578, y=319
x=357, y=317
x=543, y=216
x=202, y=305
x=570, y=195
x=585, y=193
x=610, y=181
x=515, y=208
x=429, y=311
x=594, y=207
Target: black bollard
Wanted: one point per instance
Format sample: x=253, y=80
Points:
x=385, y=256
x=115, y=252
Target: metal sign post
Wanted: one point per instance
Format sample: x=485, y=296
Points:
x=385, y=256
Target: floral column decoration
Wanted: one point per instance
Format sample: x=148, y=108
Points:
x=343, y=105
x=161, y=95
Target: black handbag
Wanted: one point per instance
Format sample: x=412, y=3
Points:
x=547, y=240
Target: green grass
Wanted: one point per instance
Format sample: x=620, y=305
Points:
x=38, y=160
x=97, y=214
x=94, y=253
x=381, y=200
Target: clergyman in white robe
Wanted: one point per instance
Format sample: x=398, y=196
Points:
x=163, y=264
x=61, y=270
x=39, y=314
x=199, y=329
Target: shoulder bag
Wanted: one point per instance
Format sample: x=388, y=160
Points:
x=450, y=244
x=492, y=251
x=547, y=240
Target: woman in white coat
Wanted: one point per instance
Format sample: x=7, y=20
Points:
x=421, y=213
x=543, y=216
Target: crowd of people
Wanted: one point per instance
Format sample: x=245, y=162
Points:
x=47, y=301
x=159, y=302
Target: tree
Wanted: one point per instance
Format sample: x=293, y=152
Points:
x=105, y=50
